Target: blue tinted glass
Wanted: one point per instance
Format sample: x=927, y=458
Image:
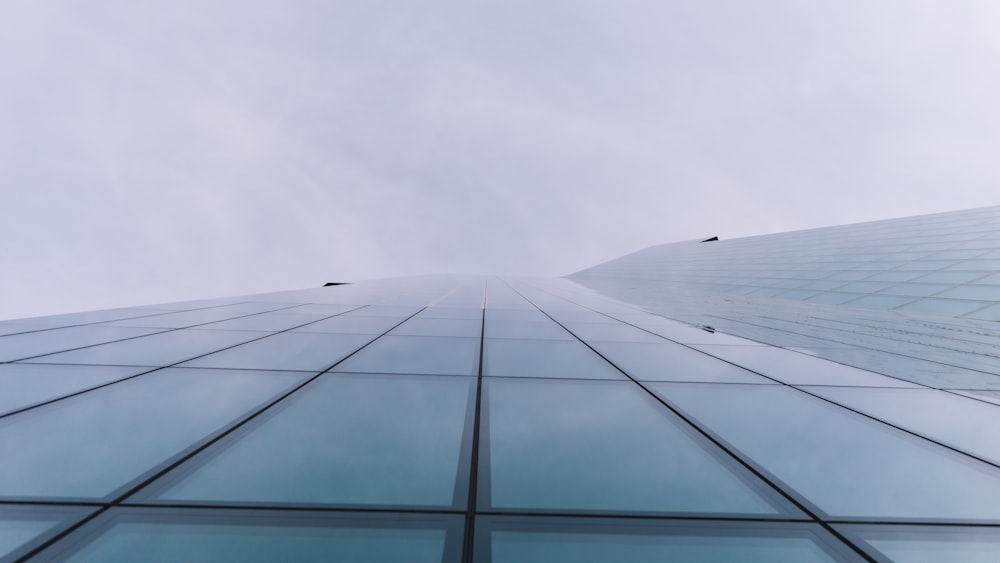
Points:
x=526, y=329
x=845, y=464
x=533, y=540
x=22, y=385
x=26, y=345
x=286, y=350
x=183, y=319
x=92, y=444
x=619, y=332
x=270, y=322
x=352, y=324
x=602, y=446
x=953, y=420
x=163, y=349
x=130, y=535
x=344, y=439
x=541, y=358
x=797, y=368
x=433, y=355
x=424, y=326
x=673, y=362
x=927, y=544
x=24, y=527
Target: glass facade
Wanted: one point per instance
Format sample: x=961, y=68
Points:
x=620, y=414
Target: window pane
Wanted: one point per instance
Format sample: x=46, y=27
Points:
x=603, y=446
x=26, y=345
x=540, y=358
x=959, y=422
x=431, y=355
x=344, y=439
x=424, y=326
x=927, y=544
x=352, y=324
x=526, y=329
x=23, y=527
x=845, y=464
x=270, y=322
x=796, y=368
x=619, y=332
x=23, y=385
x=92, y=444
x=130, y=535
x=286, y=350
x=551, y=540
x=163, y=349
x=673, y=362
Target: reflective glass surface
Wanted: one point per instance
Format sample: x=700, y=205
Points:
x=957, y=421
x=534, y=358
x=533, y=540
x=603, y=446
x=796, y=368
x=352, y=324
x=673, y=362
x=163, y=349
x=429, y=326
x=25, y=527
x=92, y=444
x=845, y=464
x=129, y=535
x=417, y=354
x=927, y=544
x=286, y=351
x=30, y=344
x=23, y=385
x=544, y=329
x=344, y=439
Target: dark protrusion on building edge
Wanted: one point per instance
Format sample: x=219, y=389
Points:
x=711, y=239
x=328, y=284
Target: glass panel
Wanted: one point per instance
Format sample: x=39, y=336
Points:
x=551, y=540
x=434, y=355
x=344, y=439
x=545, y=358
x=270, y=322
x=23, y=385
x=927, y=544
x=27, y=345
x=23, y=528
x=352, y=324
x=163, y=349
x=947, y=418
x=796, y=368
x=388, y=311
x=92, y=444
x=981, y=292
x=603, y=446
x=845, y=464
x=526, y=329
x=451, y=313
x=421, y=326
x=673, y=362
x=524, y=315
x=611, y=332
x=286, y=350
x=183, y=319
x=265, y=536
x=916, y=289
x=943, y=306
x=880, y=301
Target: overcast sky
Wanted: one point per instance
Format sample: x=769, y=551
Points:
x=175, y=150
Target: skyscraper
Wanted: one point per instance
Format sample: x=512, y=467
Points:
x=825, y=395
